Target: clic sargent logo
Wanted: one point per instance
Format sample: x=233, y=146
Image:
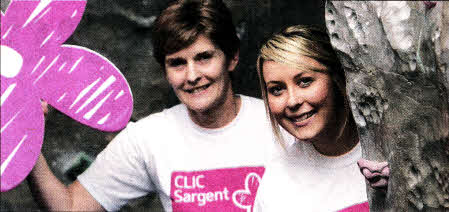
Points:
x=186, y=183
x=232, y=189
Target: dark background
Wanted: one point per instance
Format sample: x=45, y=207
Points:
x=121, y=31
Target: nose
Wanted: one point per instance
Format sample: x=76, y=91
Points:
x=193, y=75
x=295, y=99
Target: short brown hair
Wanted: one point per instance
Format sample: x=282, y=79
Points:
x=313, y=42
x=180, y=24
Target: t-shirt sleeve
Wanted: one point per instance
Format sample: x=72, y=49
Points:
x=119, y=173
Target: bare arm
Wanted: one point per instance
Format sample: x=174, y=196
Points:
x=53, y=195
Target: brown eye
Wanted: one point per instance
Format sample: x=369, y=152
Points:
x=305, y=82
x=175, y=62
x=275, y=90
x=203, y=56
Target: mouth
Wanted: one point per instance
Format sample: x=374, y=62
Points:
x=197, y=89
x=301, y=119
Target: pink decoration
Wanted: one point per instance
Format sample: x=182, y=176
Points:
x=35, y=65
x=362, y=207
x=231, y=189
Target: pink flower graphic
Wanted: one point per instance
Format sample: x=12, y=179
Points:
x=36, y=65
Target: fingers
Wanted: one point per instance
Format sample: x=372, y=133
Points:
x=376, y=173
x=382, y=183
x=430, y=4
x=373, y=166
x=44, y=105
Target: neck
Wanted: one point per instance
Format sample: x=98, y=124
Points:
x=330, y=145
x=220, y=115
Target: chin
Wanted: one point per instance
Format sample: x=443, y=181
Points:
x=302, y=134
x=304, y=138
x=197, y=107
x=200, y=106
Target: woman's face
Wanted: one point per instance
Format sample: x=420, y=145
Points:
x=199, y=74
x=302, y=101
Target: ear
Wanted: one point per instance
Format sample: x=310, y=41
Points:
x=234, y=61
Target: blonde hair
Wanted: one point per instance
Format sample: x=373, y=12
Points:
x=287, y=47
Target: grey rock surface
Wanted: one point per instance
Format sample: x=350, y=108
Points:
x=395, y=56
x=121, y=31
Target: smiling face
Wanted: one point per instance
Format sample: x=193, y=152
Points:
x=301, y=101
x=199, y=75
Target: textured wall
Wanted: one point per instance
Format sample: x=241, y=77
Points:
x=121, y=31
x=395, y=55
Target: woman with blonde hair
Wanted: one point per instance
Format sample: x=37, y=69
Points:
x=304, y=89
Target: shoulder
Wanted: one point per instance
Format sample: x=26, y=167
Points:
x=154, y=127
x=159, y=120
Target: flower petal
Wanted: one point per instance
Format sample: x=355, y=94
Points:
x=87, y=87
x=18, y=12
x=22, y=131
x=33, y=25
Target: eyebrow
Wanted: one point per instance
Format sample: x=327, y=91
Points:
x=296, y=77
x=197, y=56
x=273, y=82
x=204, y=54
x=319, y=70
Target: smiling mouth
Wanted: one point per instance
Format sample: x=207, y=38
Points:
x=302, y=117
x=197, y=89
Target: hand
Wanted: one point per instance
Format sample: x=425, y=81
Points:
x=429, y=4
x=44, y=105
x=376, y=173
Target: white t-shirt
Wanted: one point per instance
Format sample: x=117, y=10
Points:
x=191, y=168
x=301, y=179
